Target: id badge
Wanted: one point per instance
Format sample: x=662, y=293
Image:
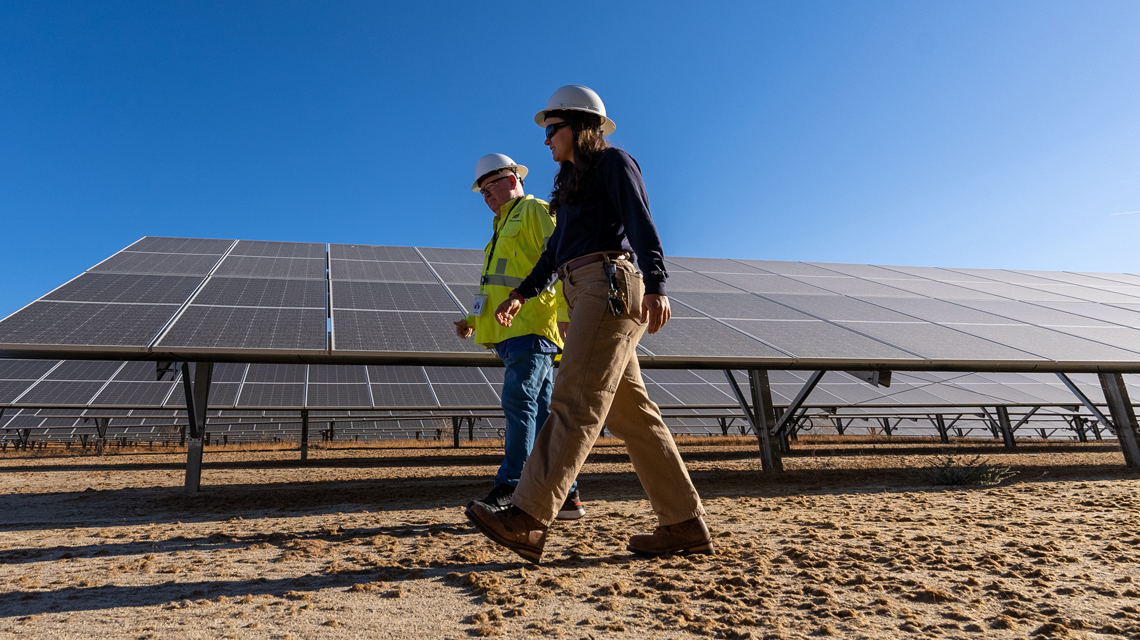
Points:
x=478, y=304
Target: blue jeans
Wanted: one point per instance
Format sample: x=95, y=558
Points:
x=527, y=385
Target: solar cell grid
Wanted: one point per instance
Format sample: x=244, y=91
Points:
x=74, y=324
x=337, y=374
x=61, y=392
x=425, y=332
x=688, y=281
x=118, y=287
x=866, y=271
x=452, y=375
x=709, y=265
x=374, y=271
x=339, y=395
x=943, y=290
x=717, y=340
x=262, y=292
x=698, y=394
x=157, y=263
x=262, y=267
x=1057, y=345
x=768, y=283
x=25, y=369
x=459, y=273
x=278, y=373
x=816, y=339
x=272, y=395
x=738, y=305
x=936, y=342
x=403, y=395
x=181, y=245
x=1016, y=292
x=841, y=309
x=396, y=375
x=245, y=328
x=84, y=370
x=452, y=256
x=941, y=311
x=848, y=286
x=391, y=296
x=1122, y=278
x=788, y=268
x=279, y=249
x=11, y=389
x=133, y=393
x=373, y=252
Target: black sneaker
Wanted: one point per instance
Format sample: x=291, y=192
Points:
x=498, y=499
x=572, y=509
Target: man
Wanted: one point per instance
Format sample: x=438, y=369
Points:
x=522, y=225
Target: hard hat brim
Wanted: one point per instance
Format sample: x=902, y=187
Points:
x=518, y=168
x=608, y=126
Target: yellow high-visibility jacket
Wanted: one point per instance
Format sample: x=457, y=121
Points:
x=520, y=233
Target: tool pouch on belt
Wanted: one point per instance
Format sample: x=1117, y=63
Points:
x=618, y=301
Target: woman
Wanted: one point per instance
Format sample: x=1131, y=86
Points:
x=603, y=220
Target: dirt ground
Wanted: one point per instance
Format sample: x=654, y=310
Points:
x=372, y=542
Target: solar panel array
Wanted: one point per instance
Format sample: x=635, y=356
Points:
x=252, y=301
x=107, y=388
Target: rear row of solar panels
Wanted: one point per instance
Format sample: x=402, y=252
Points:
x=195, y=297
x=114, y=387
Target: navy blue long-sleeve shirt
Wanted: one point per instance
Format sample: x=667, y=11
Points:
x=612, y=214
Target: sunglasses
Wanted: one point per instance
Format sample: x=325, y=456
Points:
x=552, y=129
x=487, y=185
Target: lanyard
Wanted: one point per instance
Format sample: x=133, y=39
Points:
x=495, y=240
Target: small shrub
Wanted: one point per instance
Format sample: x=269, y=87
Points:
x=958, y=471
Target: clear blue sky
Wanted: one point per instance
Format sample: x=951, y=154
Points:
x=980, y=134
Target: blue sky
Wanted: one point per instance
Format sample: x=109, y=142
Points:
x=972, y=134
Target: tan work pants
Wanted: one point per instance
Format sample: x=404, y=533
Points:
x=599, y=384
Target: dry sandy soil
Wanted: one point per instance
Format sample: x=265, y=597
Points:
x=374, y=543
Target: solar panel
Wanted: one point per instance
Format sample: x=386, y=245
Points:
x=337, y=374
x=134, y=394
x=85, y=325
x=403, y=395
x=157, y=263
x=248, y=328
x=339, y=395
x=61, y=392
x=279, y=249
x=370, y=252
x=373, y=271
x=392, y=296
x=262, y=292
x=255, y=394
x=11, y=389
x=117, y=287
x=169, y=298
x=25, y=369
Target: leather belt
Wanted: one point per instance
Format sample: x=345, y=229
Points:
x=577, y=263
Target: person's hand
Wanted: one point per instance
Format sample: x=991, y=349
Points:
x=562, y=327
x=655, y=311
x=509, y=309
x=463, y=330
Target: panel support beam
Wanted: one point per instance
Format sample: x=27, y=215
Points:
x=1093, y=409
x=304, y=435
x=197, y=400
x=943, y=430
x=1005, y=427
x=789, y=417
x=761, y=415
x=1123, y=416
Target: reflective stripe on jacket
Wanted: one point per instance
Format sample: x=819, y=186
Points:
x=522, y=228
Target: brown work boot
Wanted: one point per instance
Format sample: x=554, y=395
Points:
x=512, y=527
x=690, y=536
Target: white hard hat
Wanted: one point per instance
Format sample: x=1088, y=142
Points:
x=493, y=162
x=575, y=97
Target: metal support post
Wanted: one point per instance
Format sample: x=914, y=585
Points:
x=471, y=429
x=455, y=425
x=760, y=415
x=886, y=422
x=332, y=431
x=1123, y=416
x=1005, y=426
x=723, y=422
x=304, y=434
x=197, y=400
x=943, y=432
